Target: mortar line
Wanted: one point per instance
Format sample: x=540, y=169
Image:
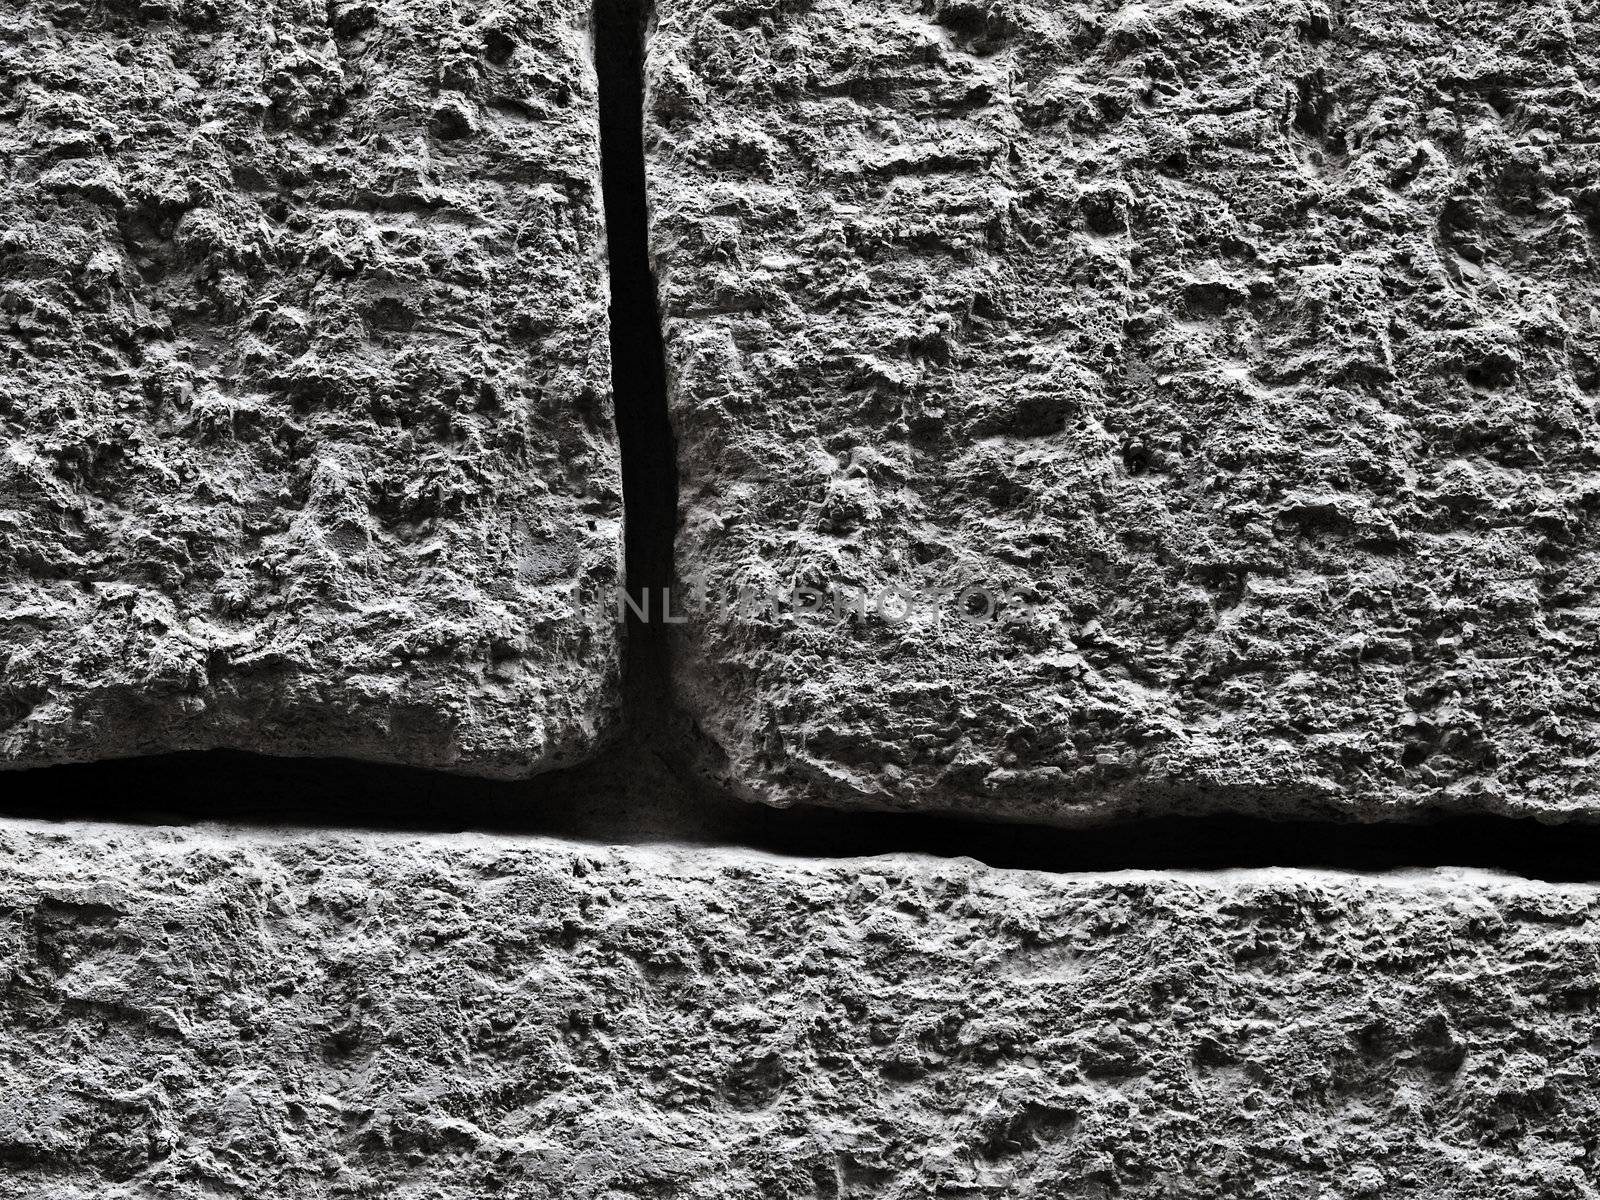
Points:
x=639, y=386
x=629, y=796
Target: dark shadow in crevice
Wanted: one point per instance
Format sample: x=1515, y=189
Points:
x=631, y=797
x=638, y=365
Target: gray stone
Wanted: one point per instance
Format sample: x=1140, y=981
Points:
x=305, y=391
x=1252, y=348
x=209, y=1012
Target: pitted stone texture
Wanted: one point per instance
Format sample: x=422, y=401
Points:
x=1254, y=344
x=305, y=385
x=198, y=1014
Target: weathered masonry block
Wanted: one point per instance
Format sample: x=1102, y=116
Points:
x=1249, y=351
x=192, y=1014
x=305, y=426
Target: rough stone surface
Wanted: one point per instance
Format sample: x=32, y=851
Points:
x=214, y=1013
x=1254, y=342
x=303, y=381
